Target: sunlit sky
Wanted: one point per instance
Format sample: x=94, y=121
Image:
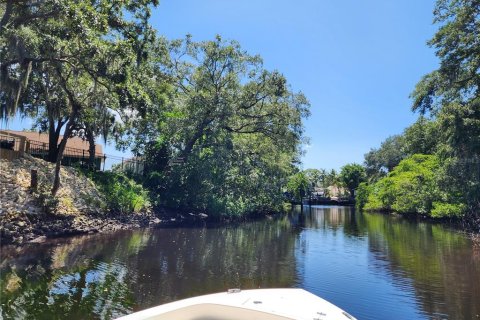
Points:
x=356, y=61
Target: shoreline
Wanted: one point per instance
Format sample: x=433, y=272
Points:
x=31, y=216
x=27, y=229
x=20, y=229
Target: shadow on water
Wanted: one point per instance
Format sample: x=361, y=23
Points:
x=372, y=265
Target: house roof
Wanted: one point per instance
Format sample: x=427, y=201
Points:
x=72, y=143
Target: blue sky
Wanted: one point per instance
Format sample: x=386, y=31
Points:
x=356, y=61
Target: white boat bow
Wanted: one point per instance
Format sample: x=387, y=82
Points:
x=264, y=304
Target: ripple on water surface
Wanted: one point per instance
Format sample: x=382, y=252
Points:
x=373, y=266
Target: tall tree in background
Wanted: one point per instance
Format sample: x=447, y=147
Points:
x=452, y=94
x=379, y=162
x=351, y=175
x=421, y=137
x=315, y=177
x=98, y=120
x=331, y=179
x=298, y=186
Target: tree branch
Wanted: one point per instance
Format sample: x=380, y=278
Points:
x=6, y=15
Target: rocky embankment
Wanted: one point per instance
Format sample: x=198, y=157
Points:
x=28, y=215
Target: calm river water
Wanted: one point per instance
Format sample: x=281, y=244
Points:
x=371, y=265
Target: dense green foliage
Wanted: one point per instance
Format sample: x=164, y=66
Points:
x=380, y=161
x=451, y=95
x=361, y=196
x=218, y=132
x=298, y=186
x=229, y=138
x=447, y=182
x=351, y=175
x=411, y=187
x=421, y=137
x=122, y=194
x=63, y=59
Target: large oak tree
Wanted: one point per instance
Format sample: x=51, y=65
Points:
x=81, y=45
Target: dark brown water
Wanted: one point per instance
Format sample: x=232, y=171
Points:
x=373, y=266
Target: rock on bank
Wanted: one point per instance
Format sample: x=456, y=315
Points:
x=30, y=215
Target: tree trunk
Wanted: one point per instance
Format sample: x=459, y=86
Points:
x=91, y=149
x=54, y=134
x=7, y=14
x=52, y=142
x=352, y=193
x=75, y=111
x=61, y=149
x=197, y=135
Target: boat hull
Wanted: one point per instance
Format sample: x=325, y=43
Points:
x=265, y=304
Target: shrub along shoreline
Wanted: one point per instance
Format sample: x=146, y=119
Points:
x=81, y=205
x=433, y=167
x=87, y=202
x=414, y=187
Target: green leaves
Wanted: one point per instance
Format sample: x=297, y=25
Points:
x=123, y=195
x=298, y=186
x=351, y=175
x=237, y=126
x=456, y=45
x=80, y=40
x=451, y=94
x=412, y=187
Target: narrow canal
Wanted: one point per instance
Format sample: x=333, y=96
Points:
x=373, y=266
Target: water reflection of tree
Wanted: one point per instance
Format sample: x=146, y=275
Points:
x=332, y=218
x=63, y=279
x=189, y=262
x=108, y=275
x=440, y=262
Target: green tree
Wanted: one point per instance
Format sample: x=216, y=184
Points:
x=229, y=135
x=451, y=94
x=331, y=179
x=422, y=137
x=413, y=187
x=379, y=162
x=351, y=175
x=46, y=102
x=298, y=186
x=82, y=45
x=315, y=178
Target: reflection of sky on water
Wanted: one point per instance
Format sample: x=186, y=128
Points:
x=339, y=268
x=380, y=267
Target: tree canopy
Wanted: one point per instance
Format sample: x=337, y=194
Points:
x=231, y=134
x=451, y=93
x=298, y=186
x=218, y=132
x=447, y=132
x=79, y=53
x=351, y=175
